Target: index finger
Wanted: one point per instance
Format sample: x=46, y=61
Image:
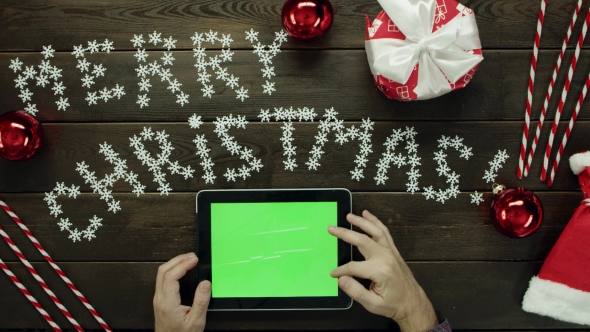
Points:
x=169, y=266
x=365, y=244
x=170, y=286
x=370, y=228
x=358, y=269
x=370, y=217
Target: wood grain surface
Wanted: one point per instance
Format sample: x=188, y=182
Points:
x=311, y=79
x=472, y=295
x=474, y=276
x=68, y=144
x=61, y=23
x=166, y=227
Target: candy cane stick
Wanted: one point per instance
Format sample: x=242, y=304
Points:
x=568, y=131
x=81, y=297
x=527, y=166
x=564, y=96
x=529, y=101
x=40, y=280
x=28, y=295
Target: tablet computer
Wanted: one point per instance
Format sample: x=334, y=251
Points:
x=270, y=249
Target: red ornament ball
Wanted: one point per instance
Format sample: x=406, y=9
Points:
x=307, y=19
x=21, y=135
x=516, y=212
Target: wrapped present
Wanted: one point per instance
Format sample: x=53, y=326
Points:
x=421, y=49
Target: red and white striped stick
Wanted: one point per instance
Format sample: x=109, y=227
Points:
x=527, y=166
x=40, y=280
x=568, y=131
x=531, y=88
x=564, y=96
x=28, y=295
x=57, y=269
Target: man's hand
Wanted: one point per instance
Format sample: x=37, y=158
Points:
x=394, y=292
x=169, y=313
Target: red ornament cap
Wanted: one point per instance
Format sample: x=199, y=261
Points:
x=21, y=135
x=307, y=19
x=516, y=212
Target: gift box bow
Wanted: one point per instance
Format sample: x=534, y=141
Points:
x=443, y=52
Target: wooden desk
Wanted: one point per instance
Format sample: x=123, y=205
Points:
x=475, y=277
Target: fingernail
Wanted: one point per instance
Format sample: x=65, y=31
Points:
x=205, y=286
x=191, y=255
x=343, y=281
x=331, y=228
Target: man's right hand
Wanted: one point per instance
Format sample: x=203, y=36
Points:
x=394, y=291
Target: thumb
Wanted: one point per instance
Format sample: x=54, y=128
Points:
x=359, y=293
x=201, y=303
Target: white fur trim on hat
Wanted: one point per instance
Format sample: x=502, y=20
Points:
x=548, y=298
x=580, y=161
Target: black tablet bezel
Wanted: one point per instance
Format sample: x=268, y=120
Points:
x=204, y=200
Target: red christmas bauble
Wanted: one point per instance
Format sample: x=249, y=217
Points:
x=307, y=19
x=20, y=135
x=516, y=212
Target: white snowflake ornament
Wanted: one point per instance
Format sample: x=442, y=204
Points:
x=93, y=71
x=159, y=67
x=266, y=54
x=203, y=63
x=495, y=165
x=443, y=169
x=389, y=158
x=15, y=65
x=476, y=198
x=43, y=78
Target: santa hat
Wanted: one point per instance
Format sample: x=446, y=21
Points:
x=562, y=288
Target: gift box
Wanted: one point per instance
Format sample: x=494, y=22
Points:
x=421, y=49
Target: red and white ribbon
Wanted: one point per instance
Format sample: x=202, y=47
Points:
x=440, y=55
x=527, y=166
x=531, y=88
x=568, y=131
x=564, y=96
x=28, y=295
x=40, y=280
x=57, y=269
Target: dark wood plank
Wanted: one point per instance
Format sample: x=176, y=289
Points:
x=153, y=228
x=67, y=144
x=28, y=25
x=116, y=271
x=339, y=79
x=472, y=295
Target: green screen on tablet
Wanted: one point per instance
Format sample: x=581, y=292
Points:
x=280, y=249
